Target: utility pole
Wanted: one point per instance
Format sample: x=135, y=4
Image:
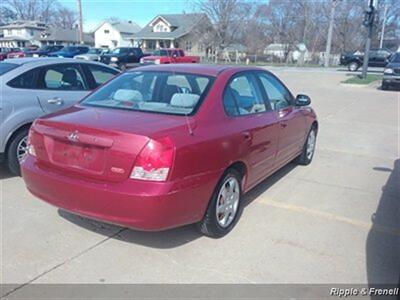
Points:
x=330, y=33
x=80, y=21
x=369, y=16
x=383, y=26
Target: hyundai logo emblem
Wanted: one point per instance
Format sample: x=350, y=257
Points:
x=73, y=137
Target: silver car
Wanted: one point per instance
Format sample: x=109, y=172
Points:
x=93, y=54
x=32, y=87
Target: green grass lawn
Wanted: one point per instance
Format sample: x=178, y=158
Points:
x=357, y=80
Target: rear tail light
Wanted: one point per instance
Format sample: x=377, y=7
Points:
x=155, y=160
x=31, y=148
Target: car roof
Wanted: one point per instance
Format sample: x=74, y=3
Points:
x=42, y=61
x=201, y=69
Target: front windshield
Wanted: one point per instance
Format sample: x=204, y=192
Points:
x=152, y=91
x=118, y=50
x=44, y=48
x=69, y=49
x=94, y=51
x=5, y=67
x=395, y=58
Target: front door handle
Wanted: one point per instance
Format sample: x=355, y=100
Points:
x=283, y=124
x=55, y=101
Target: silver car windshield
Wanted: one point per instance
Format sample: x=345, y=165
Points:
x=150, y=91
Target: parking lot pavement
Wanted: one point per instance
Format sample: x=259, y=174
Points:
x=335, y=221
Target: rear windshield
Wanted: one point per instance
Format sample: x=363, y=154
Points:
x=5, y=67
x=159, y=92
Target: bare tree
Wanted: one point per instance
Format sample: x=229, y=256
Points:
x=227, y=18
x=48, y=11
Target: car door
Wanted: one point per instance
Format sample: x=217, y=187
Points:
x=61, y=86
x=292, y=124
x=373, y=60
x=254, y=124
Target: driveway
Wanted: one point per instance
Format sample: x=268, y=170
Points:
x=334, y=221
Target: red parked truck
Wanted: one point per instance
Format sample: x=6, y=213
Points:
x=169, y=56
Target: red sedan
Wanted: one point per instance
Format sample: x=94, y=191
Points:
x=164, y=146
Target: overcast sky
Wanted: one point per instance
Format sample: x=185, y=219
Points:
x=139, y=11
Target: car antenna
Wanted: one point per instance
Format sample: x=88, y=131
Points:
x=188, y=124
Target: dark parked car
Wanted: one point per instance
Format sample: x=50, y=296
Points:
x=122, y=57
x=70, y=51
x=354, y=60
x=43, y=51
x=162, y=146
x=391, y=74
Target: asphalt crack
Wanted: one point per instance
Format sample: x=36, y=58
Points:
x=64, y=262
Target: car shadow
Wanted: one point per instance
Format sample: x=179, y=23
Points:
x=168, y=238
x=5, y=172
x=383, y=241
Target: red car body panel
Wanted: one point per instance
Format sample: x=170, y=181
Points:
x=205, y=145
x=179, y=58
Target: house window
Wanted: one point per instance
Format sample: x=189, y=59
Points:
x=188, y=46
x=19, y=31
x=106, y=31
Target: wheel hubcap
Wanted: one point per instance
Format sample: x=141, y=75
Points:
x=22, y=148
x=228, y=202
x=311, y=144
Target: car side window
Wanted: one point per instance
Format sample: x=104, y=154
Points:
x=101, y=74
x=26, y=80
x=243, y=97
x=63, y=77
x=278, y=96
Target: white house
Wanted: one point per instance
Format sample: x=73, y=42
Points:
x=298, y=53
x=115, y=34
x=21, y=33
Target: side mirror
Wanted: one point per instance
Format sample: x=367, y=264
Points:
x=302, y=100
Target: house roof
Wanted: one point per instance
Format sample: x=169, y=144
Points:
x=181, y=25
x=127, y=27
x=25, y=24
x=13, y=38
x=65, y=35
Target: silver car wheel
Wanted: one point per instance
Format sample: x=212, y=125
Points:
x=228, y=202
x=311, y=144
x=22, y=148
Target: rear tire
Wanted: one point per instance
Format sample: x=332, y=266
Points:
x=384, y=86
x=307, y=153
x=353, y=66
x=15, y=151
x=225, y=206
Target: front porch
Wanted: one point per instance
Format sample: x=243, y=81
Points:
x=149, y=45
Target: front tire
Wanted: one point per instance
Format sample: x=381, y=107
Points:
x=307, y=154
x=122, y=67
x=384, y=86
x=353, y=66
x=225, y=206
x=17, y=150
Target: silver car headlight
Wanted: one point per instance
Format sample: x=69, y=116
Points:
x=388, y=71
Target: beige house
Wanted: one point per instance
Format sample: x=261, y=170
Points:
x=173, y=31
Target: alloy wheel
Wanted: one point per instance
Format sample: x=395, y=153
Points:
x=311, y=144
x=22, y=148
x=228, y=202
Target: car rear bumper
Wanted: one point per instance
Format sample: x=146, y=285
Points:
x=136, y=204
x=391, y=79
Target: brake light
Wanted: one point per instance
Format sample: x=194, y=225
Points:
x=155, y=160
x=31, y=149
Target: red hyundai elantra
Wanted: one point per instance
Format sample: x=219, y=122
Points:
x=163, y=146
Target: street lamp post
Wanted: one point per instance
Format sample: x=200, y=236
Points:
x=369, y=23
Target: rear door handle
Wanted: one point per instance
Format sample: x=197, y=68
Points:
x=283, y=124
x=55, y=101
